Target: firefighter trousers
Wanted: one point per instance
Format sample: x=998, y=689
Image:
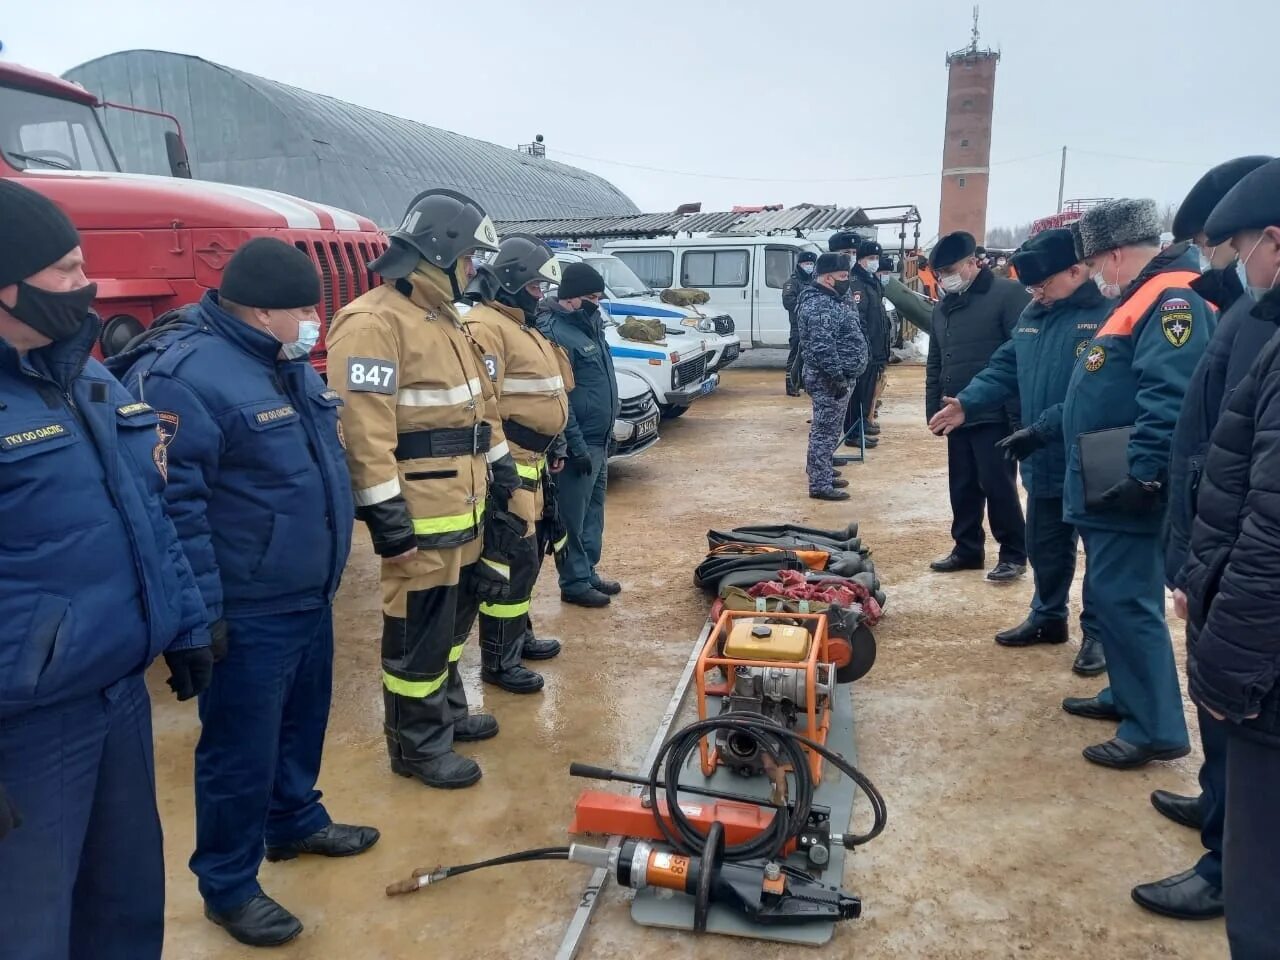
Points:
x=503, y=625
x=423, y=694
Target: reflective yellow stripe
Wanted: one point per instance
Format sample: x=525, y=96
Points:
x=425, y=526
x=505, y=611
x=529, y=473
x=414, y=688
x=559, y=544
x=455, y=653
x=502, y=568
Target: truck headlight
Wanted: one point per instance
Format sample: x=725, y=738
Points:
x=706, y=325
x=623, y=430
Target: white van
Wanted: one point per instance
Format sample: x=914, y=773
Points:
x=743, y=276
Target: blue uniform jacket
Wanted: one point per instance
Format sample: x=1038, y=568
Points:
x=258, y=482
x=1035, y=365
x=1136, y=377
x=93, y=582
x=1236, y=344
x=593, y=401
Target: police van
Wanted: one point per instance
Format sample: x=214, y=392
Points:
x=743, y=275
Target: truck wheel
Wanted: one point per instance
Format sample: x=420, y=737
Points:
x=673, y=412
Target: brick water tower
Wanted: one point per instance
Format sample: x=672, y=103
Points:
x=966, y=151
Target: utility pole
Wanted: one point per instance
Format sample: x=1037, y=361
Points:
x=1062, y=177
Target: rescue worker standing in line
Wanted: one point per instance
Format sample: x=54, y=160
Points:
x=1238, y=339
x=530, y=376
x=93, y=587
x=1132, y=375
x=835, y=355
x=1233, y=648
x=570, y=317
x=261, y=498
x=800, y=278
x=423, y=433
x=868, y=300
x=1035, y=365
x=975, y=316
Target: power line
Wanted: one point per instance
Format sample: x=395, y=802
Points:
x=800, y=180
x=1123, y=156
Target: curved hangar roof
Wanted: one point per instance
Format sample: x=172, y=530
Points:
x=247, y=130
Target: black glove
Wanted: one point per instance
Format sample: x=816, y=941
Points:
x=839, y=388
x=190, y=670
x=1133, y=496
x=1020, y=444
x=503, y=532
x=9, y=816
x=218, y=640
x=580, y=464
x=491, y=582
x=554, y=529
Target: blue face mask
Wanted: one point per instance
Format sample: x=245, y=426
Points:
x=807, y=268
x=308, y=337
x=884, y=279
x=1243, y=274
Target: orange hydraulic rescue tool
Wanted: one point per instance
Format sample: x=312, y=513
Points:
x=816, y=715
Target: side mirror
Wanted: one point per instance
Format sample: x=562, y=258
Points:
x=179, y=162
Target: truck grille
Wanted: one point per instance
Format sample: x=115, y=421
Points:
x=344, y=274
x=724, y=324
x=638, y=408
x=689, y=371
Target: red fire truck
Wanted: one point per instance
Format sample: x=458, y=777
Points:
x=154, y=243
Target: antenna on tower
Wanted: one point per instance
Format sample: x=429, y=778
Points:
x=973, y=42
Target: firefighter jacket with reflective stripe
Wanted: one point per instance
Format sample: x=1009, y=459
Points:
x=258, y=483
x=1134, y=373
x=93, y=581
x=532, y=377
x=420, y=416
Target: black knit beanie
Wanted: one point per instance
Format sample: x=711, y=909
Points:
x=271, y=275
x=578, y=280
x=34, y=233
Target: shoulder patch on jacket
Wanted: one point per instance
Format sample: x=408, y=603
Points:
x=1096, y=357
x=1175, y=303
x=167, y=426
x=1176, y=323
x=371, y=375
x=133, y=409
x=491, y=366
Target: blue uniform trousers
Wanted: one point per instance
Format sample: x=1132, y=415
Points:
x=83, y=877
x=264, y=718
x=580, y=498
x=1213, y=795
x=1251, y=855
x=825, y=430
x=1124, y=592
x=1051, y=549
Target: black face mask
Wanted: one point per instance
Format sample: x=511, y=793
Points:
x=842, y=287
x=55, y=315
x=527, y=302
x=589, y=308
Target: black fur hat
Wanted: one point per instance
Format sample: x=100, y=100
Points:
x=1117, y=223
x=952, y=248
x=1252, y=204
x=1209, y=189
x=1044, y=255
x=841, y=241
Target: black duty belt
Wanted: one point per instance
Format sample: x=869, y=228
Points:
x=529, y=439
x=445, y=442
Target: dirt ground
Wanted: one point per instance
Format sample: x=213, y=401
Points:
x=1002, y=841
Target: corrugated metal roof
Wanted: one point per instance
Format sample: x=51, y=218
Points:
x=806, y=217
x=248, y=130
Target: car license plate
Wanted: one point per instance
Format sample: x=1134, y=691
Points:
x=646, y=428
x=710, y=385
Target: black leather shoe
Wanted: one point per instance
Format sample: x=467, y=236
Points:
x=539, y=648
x=1029, y=632
x=1184, y=811
x=837, y=473
x=1184, y=896
x=1091, y=707
x=869, y=440
x=335, y=840
x=839, y=483
x=1006, y=572
x=832, y=494
x=1090, y=661
x=610, y=588
x=449, y=771
x=952, y=562
x=475, y=726
x=591, y=597
x=258, y=922
x=513, y=680
x=873, y=429
x=1122, y=755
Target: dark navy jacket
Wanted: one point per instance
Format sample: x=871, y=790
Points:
x=1035, y=367
x=1232, y=574
x=831, y=336
x=868, y=298
x=93, y=583
x=258, y=482
x=1136, y=375
x=1235, y=345
x=593, y=401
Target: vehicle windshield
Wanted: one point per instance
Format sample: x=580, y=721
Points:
x=40, y=132
x=619, y=279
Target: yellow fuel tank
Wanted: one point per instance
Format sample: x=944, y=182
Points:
x=751, y=639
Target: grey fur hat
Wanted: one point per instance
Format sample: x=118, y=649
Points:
x=1117, y=223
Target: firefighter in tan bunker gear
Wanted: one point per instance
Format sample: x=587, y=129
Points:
x=432, y=476
x=530, y=375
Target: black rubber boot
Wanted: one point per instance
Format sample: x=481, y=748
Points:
x=538, y=648
x=448, y=771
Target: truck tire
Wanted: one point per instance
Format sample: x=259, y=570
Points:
x=673, y=412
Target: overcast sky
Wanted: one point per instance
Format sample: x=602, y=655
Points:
x=754, y=101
